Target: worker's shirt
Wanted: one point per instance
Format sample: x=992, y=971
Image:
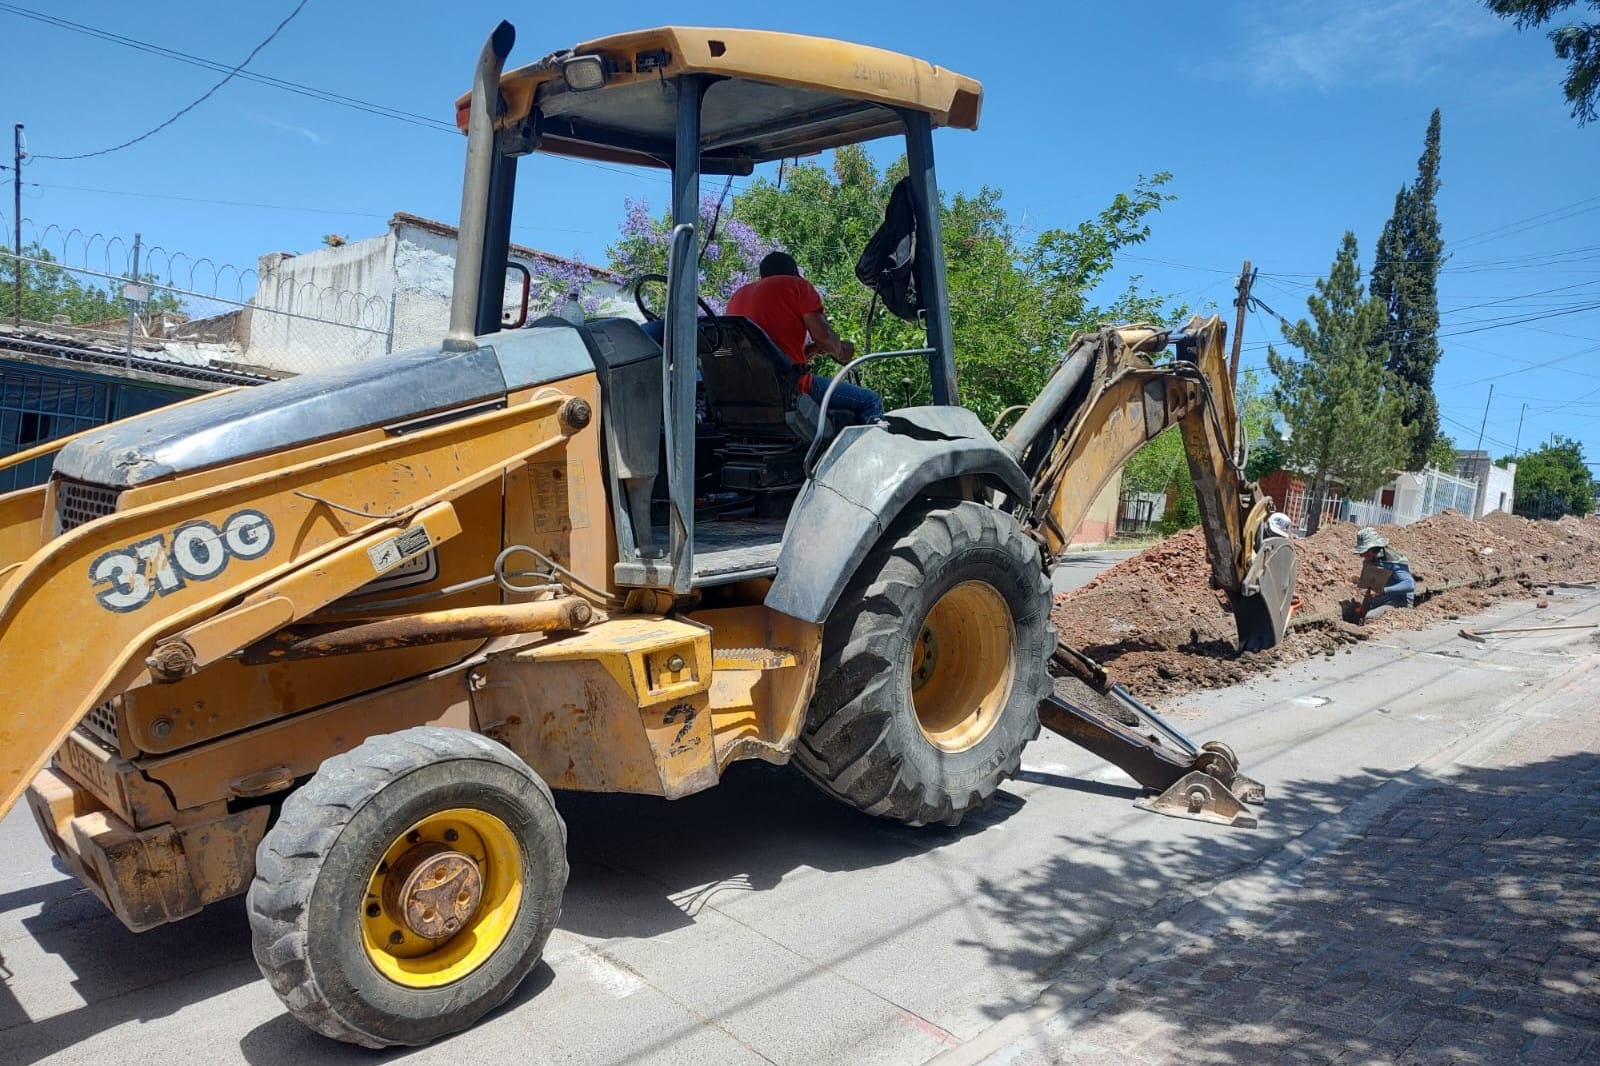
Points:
x=779, y=305
x=1400, y=579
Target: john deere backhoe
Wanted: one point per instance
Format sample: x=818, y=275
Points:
x=332, y=641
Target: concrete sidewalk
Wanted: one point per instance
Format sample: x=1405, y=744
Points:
x=1460, y=924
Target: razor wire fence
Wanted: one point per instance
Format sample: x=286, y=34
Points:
x=109, y=302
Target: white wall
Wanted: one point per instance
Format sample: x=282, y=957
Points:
x=324, y=308
x=1501, y=489
x=364, y=299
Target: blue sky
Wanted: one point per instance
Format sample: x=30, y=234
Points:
x=1284, y=125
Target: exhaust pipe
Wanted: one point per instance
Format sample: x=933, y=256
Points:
x=475, y=189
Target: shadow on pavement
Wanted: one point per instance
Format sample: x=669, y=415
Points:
x=108, y=962
x=641, y=866
x=1458, y=926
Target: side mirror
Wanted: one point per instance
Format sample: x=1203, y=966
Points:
x=517, y=318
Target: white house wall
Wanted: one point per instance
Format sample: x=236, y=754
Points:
x=367, y=298
x=325, y=308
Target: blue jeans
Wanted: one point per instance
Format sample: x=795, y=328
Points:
x=861, y=404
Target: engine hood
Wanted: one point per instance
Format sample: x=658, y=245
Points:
x=388, y=391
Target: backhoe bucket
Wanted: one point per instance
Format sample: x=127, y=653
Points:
x=1261, y=611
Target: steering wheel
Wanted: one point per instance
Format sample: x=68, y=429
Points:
x=710, y=333
x=644, y=308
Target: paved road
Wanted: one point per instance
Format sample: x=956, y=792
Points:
x=1079, y=568
x=758, y=922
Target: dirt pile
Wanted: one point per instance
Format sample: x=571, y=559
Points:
x=1158, y=627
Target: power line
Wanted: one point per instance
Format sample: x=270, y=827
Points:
x=324, y=95
x=196, y=103
x=204, y=200
x=1521, y=225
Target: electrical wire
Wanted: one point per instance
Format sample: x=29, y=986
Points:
x=311, y=91
x=194, y=104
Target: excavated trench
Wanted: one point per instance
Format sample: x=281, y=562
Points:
x=1157, y=626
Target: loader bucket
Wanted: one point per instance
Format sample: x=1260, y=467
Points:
x=1261, y=610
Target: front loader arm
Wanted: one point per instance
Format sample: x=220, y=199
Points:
x=158, y=590
x=1118, y=400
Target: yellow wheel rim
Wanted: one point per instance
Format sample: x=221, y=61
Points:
x=963, y=665
x=442, y=899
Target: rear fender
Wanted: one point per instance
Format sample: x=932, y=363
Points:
x=863, y=483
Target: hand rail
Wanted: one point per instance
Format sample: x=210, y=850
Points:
x=844, y=372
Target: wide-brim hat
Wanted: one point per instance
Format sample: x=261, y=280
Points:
x=1369, y=538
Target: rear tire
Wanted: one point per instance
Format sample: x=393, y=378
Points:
x=437, y=829
x=933, y=666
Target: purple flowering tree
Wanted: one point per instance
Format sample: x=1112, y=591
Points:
x=727, y=261
x=554, y=279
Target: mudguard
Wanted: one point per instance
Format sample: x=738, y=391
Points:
x=864, y=481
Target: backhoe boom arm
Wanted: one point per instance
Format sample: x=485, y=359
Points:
x=1106, y=399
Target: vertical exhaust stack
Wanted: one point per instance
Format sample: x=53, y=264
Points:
x=475, y=189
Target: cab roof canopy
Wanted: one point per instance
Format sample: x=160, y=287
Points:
x=770, y=96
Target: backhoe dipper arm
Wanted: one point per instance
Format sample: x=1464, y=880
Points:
x=1107, y=399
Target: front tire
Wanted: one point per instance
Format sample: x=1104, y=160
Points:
x=933, y=666
x=408, y=887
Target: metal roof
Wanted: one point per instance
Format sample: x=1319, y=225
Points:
x=776, y=95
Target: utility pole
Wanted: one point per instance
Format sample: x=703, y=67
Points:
x=16, y=220
x=1247, y=278
x=128, y=300
x=1485, y=424
x=1516, y=445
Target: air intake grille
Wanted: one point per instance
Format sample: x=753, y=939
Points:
x=77, y=503
x=101, y=722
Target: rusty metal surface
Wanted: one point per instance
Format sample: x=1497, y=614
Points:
x=766, y=669
x=422, y=628
x=152, y=876
x=622, y=706
x=1203, y=783
x=435, y=890
x=295, y=747
x=1199, y=796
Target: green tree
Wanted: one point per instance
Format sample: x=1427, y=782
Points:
x=1343, y=408
x=49, y=290
x=1577, y=42
x=1442, y=454
x=1405, y=277
x=1553, y=481
x=1014, y=301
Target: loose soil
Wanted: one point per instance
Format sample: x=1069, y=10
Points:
x=1156, y=625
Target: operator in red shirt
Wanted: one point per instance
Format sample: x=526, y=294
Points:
x=787, y=307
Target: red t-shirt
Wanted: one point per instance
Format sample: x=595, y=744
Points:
x=779, y=305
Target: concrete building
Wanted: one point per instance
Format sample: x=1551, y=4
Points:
x=365, y=298
x=1497, y=485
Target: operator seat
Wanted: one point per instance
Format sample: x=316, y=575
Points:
x=752, y=395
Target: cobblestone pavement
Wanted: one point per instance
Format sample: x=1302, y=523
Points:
x=1461, y=924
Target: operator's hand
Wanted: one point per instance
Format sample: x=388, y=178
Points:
x=847, y=351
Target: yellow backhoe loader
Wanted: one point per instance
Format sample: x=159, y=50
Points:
x=331, y=641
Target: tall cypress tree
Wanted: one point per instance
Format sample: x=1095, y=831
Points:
x=1405, y=277
x=1344, y=407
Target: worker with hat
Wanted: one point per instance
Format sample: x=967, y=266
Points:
x=1400, y=590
